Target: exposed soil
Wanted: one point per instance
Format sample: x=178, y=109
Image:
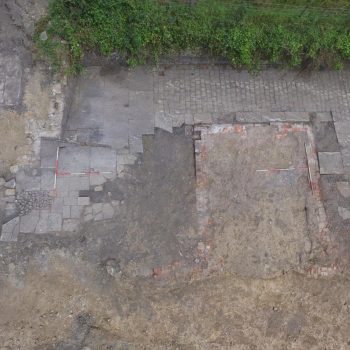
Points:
x=97, y=288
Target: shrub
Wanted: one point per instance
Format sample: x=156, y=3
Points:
x=246, y=33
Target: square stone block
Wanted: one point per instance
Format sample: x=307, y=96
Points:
x=330, y=163
x=83, y=200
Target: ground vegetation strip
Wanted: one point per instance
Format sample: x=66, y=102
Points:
x=246, y=33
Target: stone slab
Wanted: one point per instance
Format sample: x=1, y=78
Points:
x=103, y=159
x=66, y=212
x=29, y=222
x=74, y=159
x=135, y=144
x=70, y=225
x=10, y=231
x=83, y=200
x=343, y=188
x=12, y=83
x=331, y=163
x=48, y=153
x=163, y=121
x=344, y=213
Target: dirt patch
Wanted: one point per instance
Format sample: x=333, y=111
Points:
x=253, y=194
x=67, y=303
x=13, y=141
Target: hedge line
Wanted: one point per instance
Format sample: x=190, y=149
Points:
x=244, y=32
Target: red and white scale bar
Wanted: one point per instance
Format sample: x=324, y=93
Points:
x=67, y=173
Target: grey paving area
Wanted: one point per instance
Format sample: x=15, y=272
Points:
x=56, y=197
x=117, y=106
x=10, y=80
x=114, y=108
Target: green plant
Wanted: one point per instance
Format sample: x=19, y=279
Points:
x=247, y=33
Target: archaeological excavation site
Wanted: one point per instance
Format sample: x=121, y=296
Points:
x=180, y=205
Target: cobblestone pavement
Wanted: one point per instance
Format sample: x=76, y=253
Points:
x=113, y=108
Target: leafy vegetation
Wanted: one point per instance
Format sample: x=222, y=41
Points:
x=295, y=32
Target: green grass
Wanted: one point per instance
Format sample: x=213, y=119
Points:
x=295, y=33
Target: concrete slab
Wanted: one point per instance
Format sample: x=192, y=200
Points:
x=47, y=179
x=83, y=201
x=29, y=222
x=48, y=152
x=12, y=81
x=74, y=160
x=103, y=159
x=343, y=188
x=10, y=231
x=330, y=163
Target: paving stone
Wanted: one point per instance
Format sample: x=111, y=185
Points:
x=344, y=213
x=57, y=205
x=341, y=116
x=97, y=208
x=49, y=222
x=88, y=217
x=27, y=183
x=41, y=226
x=10, y=231
x=248, y=117
x=323, y=117
x=47, y=179
x=78, y=183
x=126, y=159
x=66, y=212
x=11, y=184
x=97, y=179
x=70, y=200
x=345, y=153
x=13, y=80
x=75, y=211
x=103, y=159
x=285, y=117
x=83, y=200
x=10, y=192
x=54, y=222
x=44, y=213
x=48, y=153
x=343, y=188
x=62, y=185
x=202, y=118
x=296, y=116
x=141, y=124
x=120, y=169
x=108, y=211
x=98, y=217
x=135, y=144
x=70, y=225
x=330, y=163
x=178, y=119
x=74, y=159
x=29, y=222
x=188, y=118
x=14, y=169
x=343, y=133
x=163, y=121
x=88, y=210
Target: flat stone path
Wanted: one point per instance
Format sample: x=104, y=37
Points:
x=117, y=107
x=113, y=108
